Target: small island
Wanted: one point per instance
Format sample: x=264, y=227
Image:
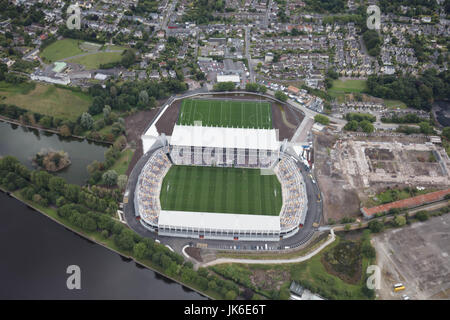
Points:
x=51, y=160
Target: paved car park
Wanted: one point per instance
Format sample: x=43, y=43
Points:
x=418, y=257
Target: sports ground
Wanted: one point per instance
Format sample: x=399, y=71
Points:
x=220, y=190
x=226, y=113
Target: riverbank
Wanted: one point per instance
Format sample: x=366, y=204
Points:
x=15, y=122
x=96, y=238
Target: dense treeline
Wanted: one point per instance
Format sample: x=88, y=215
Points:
x=372, y=41
x=201, y=12
x=46, y=189
x=417, y=92
x=424, y=128
x=255, y=87
x=140, y=94
x=408, y=118
x=414, y=7
x=360, y=122
x=224, y=86
x=324, y=6
x=21, y=15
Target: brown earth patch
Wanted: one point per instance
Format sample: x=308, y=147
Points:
x=194, y=253
x=269, y=279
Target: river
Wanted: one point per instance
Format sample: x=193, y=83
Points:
x=24, y=143
x=36, y=251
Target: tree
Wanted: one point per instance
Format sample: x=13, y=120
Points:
x=366, y=126
x=368, y=250
x=252, y=87
x=89, y=224
x=140, y=250
x=231, y=295
x=128, y=58
x=125, y=239
x=41, y=178
x=107, y=110
x=86, y=121
x=422, y=215
x=376, y=226
x=57, y=184
x=212, y=285
x=110, y=178
x=64, y=130
x=120, y=143
x=321, y=119
x=446, y=132
x=280, y=95
x=122, y=181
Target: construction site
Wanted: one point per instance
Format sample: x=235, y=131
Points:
x=353, y=167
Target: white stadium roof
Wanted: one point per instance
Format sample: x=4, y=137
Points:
x=219, y=221
x=217, y=137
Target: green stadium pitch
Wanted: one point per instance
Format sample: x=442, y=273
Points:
x=221, y=190
x=226, y=113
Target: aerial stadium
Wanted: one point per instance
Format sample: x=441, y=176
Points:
x=219, y=171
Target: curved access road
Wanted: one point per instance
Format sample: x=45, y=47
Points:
x=331, y=238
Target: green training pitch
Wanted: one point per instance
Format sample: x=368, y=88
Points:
x=221, y=190
x=226, y=113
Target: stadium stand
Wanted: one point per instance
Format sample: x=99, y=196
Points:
x=293, y=211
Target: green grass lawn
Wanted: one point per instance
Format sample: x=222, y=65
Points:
x=46, y=99
x=93, y=61
x=226, y=113
x=123, y=162
x=341, y=87
x=394, y=104
x=61, y=49
x=221, y=190
x=114, y=47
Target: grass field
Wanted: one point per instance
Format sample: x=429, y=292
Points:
x=93, y=61
x=226, y=113
x=61, y=49
x=221, y=190
x=341, y=87
x=45, y=99
x=394, y=104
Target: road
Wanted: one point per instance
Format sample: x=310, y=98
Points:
x=168, y=14
x=331, y=238
x=247, y=54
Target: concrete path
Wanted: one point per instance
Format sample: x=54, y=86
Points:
x=331, y=238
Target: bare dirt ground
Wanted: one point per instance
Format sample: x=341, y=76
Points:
x=269, y=279
x=339, y=200
x=194, y=253
x=350, y=168
x=135, y=125
x=418, y=257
